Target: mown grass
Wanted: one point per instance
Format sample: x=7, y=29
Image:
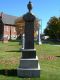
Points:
x=49, y=59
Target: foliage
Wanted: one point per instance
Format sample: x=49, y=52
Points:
x=20, y=25
x=53, y=28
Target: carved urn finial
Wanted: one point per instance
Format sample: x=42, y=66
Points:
x=29, y=6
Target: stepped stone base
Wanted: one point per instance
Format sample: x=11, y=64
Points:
x=29, y=68
x=28, y=53
x=29, y=63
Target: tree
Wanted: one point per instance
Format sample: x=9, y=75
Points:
x=20, y=24
x=1, y=28
x=53, y=28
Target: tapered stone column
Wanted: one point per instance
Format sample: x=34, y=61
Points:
x=29, y=66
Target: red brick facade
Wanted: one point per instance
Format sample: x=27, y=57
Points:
x=10, y=32
x=7, y=27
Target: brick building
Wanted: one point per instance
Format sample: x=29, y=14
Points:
x=7, y=27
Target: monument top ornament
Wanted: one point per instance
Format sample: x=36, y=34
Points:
x=29, y=6
x=29, y=16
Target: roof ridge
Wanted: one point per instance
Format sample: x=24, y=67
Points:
x=9, y=15
x=8, y=19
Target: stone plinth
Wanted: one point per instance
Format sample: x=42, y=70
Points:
x=28, y=53
x=29, y=68
x=29, y=63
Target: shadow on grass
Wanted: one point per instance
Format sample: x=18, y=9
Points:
x=14, y=51
x=52, y=42
x=58, y=56
x=13, y=73
x=7, y=72
x=14, y=40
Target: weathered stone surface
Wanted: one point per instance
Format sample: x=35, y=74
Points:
x=29, y=30
x=28, y=72
x=29, y=66
x=28, y=53
x=29, y=63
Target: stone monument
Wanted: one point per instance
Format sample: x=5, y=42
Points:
x=39, y=37
x=29, y=66
x=23, y=41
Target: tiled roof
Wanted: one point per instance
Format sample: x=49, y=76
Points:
x=8, y=19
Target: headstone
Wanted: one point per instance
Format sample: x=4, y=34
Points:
x=29, y=66
x=23, y=41
x=39, y=38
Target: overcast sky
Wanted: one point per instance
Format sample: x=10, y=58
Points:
x=42, y=9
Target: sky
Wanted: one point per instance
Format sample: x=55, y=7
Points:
x=42, y=9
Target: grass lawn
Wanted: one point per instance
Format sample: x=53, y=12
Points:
x=49, y=59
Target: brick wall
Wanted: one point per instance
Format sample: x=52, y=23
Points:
x=13, y=32
x=10, y=32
